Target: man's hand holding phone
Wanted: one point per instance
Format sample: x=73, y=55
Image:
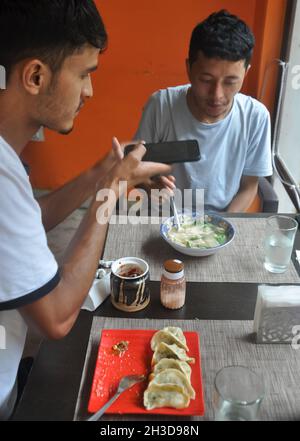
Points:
x=132, y=169
x=170, y=152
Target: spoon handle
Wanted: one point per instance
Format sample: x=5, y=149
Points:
x=176, y=217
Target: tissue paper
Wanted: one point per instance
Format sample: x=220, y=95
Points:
x=277, y=312
x=99, y=291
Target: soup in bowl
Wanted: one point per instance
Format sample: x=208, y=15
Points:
x=198, y=235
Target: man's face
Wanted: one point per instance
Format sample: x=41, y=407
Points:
x=70, y=87
x=214, y=82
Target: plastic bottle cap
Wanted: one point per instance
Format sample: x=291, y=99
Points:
x=173, y=266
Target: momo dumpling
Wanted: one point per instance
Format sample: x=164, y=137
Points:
x=171, y=363
x=177, y=332
x=164, y=350
x=165, y=395
x=169, y=338
x=174, y=376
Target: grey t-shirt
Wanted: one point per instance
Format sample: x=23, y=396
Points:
x=235, y=146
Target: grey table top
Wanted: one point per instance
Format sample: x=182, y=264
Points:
x=52, y=389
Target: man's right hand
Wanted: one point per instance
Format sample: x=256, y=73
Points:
x=133, y=170
x=159, y=183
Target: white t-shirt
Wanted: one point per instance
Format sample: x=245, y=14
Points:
x=230, y=148
x=28, y=270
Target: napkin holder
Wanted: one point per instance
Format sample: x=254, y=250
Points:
x=275, y=323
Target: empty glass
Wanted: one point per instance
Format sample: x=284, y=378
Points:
x=279, y=242
x=238, y=394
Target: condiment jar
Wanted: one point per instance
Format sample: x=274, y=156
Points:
x=172, y=286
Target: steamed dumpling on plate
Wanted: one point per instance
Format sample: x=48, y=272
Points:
x=167, y=336
x=171, y=363
x=165, y=395
x=174, y=376
x=164, y=350
x=177, y=332
x=170, y=379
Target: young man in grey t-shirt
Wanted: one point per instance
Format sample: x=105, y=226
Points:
x=233, y=130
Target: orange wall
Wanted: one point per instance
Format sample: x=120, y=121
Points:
x=148, y=44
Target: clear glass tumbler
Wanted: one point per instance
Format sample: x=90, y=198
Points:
x=279, y=242
x=238, y=394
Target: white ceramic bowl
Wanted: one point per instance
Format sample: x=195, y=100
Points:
x=199, y=252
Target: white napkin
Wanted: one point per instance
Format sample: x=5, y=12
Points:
x=269, y=296
x=99, y=291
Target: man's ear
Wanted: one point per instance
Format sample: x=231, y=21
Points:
x=188, y=68
x=247, y=70
x=35, y=77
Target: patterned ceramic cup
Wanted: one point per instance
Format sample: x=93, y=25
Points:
x=129, y=284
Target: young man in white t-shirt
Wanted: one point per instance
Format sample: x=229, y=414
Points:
x=232, y=129
x=48, y=50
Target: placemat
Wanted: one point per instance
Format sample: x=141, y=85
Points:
x=222, y=342
x=241, y=261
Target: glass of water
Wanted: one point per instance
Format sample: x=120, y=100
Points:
x=279, y=242
x=238, y=394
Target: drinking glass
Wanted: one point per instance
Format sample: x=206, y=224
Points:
x=279, y=242
x=238, y=394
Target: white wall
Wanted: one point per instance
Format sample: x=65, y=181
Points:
x=285, y=204
x=289, y=128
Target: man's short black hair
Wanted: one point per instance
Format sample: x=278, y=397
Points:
x=49, y=30
x=222, y=35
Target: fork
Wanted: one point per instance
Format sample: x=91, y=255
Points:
x=124, y=384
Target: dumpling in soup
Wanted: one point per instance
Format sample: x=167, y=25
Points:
x=174, y=376
x=165, y=395
x=167, y=337
x=164, y=350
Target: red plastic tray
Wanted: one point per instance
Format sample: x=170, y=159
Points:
x=110, y=368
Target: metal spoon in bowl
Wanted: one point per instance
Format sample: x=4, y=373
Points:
x=174, y=209
x=125, y=383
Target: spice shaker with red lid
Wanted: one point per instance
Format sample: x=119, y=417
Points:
x=173, y=285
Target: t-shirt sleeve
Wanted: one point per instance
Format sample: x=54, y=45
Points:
x=28, y=269
x=149, y=126
x=258, y=160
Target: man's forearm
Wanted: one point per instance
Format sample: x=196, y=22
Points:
x=242, y=201
x=60, y=203
x=80, y=262
x=60, y=309
x=245, y=196
x=55, y=313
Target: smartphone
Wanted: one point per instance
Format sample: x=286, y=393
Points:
x=170, y=152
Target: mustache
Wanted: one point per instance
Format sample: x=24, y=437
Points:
x=210, y=103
